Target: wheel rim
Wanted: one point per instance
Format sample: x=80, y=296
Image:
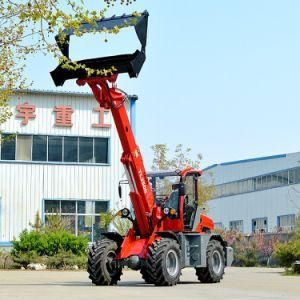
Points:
x=172, y=263
x=216, y=262
x=110, y=257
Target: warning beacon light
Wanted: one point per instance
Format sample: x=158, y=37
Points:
x=123, y=63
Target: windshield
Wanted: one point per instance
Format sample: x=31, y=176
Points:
x=162, y=185
x=172, y=202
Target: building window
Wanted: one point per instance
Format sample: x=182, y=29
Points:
x=39, y=148
x=42, y=148
x=23, y=147
x=86, y=150
x=219, y=225
x=101, y=150
x=55, y=148
x=260, y=225
x=70, y=149
x=8, y=147
x=283, y=178
x=286, y=223
x=258, y=183
x=236, y=225
x=52, y=206
x=294, y=176
x=81, y=217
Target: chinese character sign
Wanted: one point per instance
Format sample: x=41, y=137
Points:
x=26, y=112
x=101, y=123
x=63, y=116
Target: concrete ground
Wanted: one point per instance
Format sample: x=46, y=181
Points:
x=238, y=283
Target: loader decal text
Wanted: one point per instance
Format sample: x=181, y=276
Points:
x=144, y=185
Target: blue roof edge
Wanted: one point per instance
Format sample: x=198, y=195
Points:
x=210, y=167
x=245, y=161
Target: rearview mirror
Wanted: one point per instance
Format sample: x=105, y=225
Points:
x=180, y=187
x=120, y=191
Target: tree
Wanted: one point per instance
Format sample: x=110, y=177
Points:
x=180, y=159
x=288, y=253
x=106, y=218
x=56, y=223
x=297, y=228
x=38, y=223
x=29, y=26
x=120, y=225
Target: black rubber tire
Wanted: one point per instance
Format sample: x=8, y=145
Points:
x=146, y=275
x=98, y=265
x=207, y=274
x=156, y=262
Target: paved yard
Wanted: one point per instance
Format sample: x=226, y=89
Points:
x=239, y=283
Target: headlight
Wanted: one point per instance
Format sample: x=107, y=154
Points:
x=124, y=213
x=173, y=212
x=166, y=210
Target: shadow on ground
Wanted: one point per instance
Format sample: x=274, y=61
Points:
x=80, y=284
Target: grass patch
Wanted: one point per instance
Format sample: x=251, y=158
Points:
x=289, y=272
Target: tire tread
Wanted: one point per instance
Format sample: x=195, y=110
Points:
x=207, y=275
x=95, y=262
x=155, y=260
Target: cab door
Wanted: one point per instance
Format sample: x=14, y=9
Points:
x=190, y=201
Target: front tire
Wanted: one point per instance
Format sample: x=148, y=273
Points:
x=215, y=264
x=147, y=275
x=100, y=268
x=163, y=262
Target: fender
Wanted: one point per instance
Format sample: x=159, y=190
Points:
x=218, y=237
x=169, y=234
x=114, y=236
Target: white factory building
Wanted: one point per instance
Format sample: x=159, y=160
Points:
x=260, y=194
x=64, y=158
x=60, y=153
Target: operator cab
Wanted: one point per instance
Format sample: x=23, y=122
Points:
x=169, y=186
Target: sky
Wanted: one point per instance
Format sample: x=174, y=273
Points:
x=221, y=77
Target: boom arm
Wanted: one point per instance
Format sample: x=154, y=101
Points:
x=141, y=194
x=110, y=98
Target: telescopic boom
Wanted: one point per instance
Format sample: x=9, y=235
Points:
x=109, y=97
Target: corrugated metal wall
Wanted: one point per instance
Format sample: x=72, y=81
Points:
x=269, y=203
x=24, y=185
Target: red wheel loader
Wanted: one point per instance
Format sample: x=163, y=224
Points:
x=168, y=232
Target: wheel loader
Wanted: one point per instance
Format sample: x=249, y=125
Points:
x=169, y=231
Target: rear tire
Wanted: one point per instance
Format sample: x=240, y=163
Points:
x=100, y=269
x=164, y=262
x=215, y=263
x=146, y=275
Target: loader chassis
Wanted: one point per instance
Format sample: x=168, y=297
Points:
x=169, y=232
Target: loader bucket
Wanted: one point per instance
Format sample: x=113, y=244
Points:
x=124, y=63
